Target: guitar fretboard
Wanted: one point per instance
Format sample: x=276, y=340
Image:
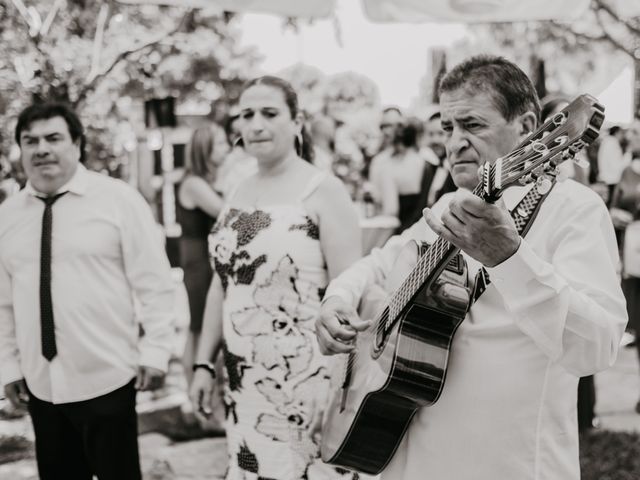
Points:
x=429, y=265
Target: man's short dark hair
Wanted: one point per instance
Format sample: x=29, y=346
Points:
x=511, y=89
x=47, y=110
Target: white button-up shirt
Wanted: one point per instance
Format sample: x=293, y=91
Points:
x=106, y=251
x=553, y=312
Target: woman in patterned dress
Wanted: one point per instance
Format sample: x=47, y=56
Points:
x=283, y=234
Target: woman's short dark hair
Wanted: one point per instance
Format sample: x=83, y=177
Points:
x=291, y=99
x=509, y=87
x=47, y=110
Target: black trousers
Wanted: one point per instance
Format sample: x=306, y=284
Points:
x=586, y=402
x=77, y=440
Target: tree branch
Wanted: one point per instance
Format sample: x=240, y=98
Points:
x=611, y=39
x=50, y=17
x=563, y=27
x=604, y=37
x=603, y=6
x=97, y=42
x=123, y=56
x=22, y=9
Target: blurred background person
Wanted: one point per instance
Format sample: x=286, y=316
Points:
x=285, y=232
x=323, y=130
x=625, y=209
x=391, y=119
x=433, y=138
x=396, y=176
x=611, y=159
x=198, y=206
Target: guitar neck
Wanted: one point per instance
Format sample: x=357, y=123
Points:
x=429, y=267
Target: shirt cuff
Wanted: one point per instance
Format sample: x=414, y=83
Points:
x=510, y=276
x=155, y=357
x=10, y=372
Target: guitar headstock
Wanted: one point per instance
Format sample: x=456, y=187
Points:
x=539, y=155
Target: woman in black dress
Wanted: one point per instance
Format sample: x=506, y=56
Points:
x=198, y=206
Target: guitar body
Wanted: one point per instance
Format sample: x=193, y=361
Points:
x=393, y=375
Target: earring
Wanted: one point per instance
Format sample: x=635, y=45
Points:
x=238, y=142
x=299, y=145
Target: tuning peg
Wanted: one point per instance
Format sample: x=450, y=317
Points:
x=543, y=184
x=525, y=179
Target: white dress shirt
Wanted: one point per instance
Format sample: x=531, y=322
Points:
x=105, y=252
x=553, y=312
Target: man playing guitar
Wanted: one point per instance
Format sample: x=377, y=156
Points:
x=552, y=312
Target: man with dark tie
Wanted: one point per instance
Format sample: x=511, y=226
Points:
x=81, y=263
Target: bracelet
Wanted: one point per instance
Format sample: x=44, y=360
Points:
x=207, y=366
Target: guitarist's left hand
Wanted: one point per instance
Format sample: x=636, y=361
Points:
x=484, y=231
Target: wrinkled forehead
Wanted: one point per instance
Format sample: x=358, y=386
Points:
x=461, y=104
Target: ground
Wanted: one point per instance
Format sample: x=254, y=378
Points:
x=618, y=390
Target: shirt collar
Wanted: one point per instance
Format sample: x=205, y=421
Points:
x=77, y=184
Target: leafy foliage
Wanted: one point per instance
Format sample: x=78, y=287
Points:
x=578, y=55
x=105, y=58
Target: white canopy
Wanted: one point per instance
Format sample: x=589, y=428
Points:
x=461, y=11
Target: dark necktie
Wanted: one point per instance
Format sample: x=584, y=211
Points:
x=48, y=336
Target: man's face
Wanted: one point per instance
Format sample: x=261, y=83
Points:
x=434, y=137
x=49, y=155
x=476, y=132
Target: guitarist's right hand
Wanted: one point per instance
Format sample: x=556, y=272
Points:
x=337, y=326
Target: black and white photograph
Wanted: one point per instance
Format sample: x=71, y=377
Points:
x=320, y=239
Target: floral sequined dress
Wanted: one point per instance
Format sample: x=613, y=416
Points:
x=273, y=274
